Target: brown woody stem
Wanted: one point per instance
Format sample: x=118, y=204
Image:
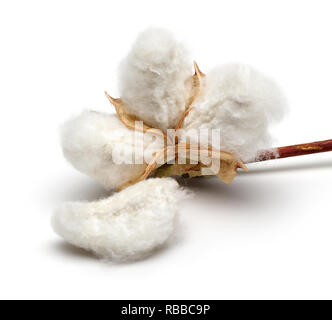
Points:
x=295, y=150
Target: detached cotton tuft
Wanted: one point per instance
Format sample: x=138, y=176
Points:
x=126, y=226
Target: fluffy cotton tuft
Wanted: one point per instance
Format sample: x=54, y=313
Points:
x=242, y=103
x=101, y=146
x=155, y=79
x=126, y=226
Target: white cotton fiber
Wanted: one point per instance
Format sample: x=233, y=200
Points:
x=242, y=103
x=128, y=225
x=155, y=79
x=101, y=146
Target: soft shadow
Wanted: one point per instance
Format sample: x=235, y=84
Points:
x=212, y=187
x=246, y=195
x=290, y=167
x=249, y=192
x=67, y=250
x=78, y=189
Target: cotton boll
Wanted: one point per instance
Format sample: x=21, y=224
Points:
x=101, y=146
x=242, y=103
x=155, y=79
x=126, y=226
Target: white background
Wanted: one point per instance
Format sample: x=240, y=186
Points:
x=268, y=235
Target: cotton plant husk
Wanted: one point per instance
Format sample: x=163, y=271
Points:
x=220, y=163
x=128, y=119
x=227, y=162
